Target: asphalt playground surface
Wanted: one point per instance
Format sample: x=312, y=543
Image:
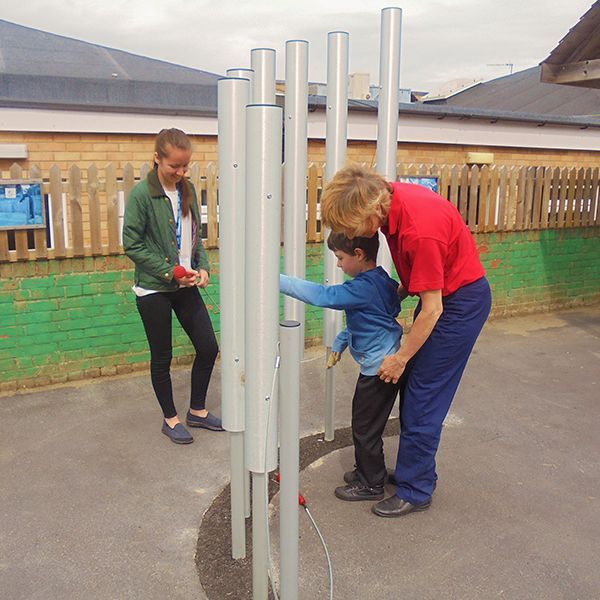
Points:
x=96, y=503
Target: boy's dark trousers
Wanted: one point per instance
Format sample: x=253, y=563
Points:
x=371, y=407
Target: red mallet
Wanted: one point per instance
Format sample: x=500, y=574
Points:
x=180, y=272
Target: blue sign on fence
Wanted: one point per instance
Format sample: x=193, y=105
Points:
x=426, y=181
x=22, y=205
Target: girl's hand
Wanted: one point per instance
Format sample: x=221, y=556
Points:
x=203, y=278
x=188, y=280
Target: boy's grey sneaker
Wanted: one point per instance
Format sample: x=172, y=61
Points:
x=355, y=492
x=208, y=422
x=352, y=477
x=178, y=434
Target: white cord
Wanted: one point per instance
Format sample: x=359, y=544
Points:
x=313, y=358
x=324, y=548
x=270, y=400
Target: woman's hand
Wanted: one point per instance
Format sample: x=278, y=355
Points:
x=203, y=278
x=391, y=368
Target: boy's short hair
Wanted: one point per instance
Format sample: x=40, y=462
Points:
x=354, y=194
x=369, y=245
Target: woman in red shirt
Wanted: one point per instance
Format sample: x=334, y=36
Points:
x=436, y=259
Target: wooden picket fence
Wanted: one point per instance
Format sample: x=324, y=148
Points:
x=86, y=205
x=86, y=208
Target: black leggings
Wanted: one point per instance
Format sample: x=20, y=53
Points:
x=155, y=310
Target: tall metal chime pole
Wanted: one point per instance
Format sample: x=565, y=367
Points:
x=262, y=61
x=233, y=97
x=249, y=75
x=335, y=150
x=294, y=173
x=242, y=74
x=263, y=215
x=387, y=113
x=289, y=333
x=263, y=239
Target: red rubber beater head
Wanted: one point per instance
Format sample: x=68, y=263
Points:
x=179, y=271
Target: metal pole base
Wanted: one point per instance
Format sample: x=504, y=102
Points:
x=329, y=401
x=238, y=508
x=260, y=557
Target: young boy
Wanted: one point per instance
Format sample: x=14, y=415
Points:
x=372, y=304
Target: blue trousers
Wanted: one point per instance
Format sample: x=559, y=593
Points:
x=429, y=386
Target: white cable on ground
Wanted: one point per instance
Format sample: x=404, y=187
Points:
x=269, y=399
x=313, y=358
x=324, y=548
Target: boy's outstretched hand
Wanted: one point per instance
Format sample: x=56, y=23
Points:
x=333, y=359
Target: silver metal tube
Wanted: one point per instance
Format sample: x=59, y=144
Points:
x=238, y=471
x=263, y=217
x=387, y=113
x=289, y=456
x=329, y=401
x=262, y=61
x=233, y=96
x=247, y=500
x=243, y=74
x=294, y=173
x=335, y=151
x=260, y=552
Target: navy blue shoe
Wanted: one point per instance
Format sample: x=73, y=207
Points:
x=178, y=434
x=396, y=507
x=208, y=422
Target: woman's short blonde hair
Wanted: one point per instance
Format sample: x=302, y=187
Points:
x=352, y=198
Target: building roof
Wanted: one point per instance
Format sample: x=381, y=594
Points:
x=523, y=92
x=442, y=111
x=44, y=69
x=576, y=59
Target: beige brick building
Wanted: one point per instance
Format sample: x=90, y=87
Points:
x=79, y=106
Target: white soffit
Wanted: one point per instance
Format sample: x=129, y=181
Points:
x=471, y=132
x=66, y=121
x=361, y=126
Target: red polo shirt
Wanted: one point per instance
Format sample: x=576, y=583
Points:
x=430, y=244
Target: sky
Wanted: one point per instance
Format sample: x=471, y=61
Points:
x=442, y=40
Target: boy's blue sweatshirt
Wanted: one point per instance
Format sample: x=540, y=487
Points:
x=371, y=303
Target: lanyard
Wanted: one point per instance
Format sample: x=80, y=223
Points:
x=178, y=225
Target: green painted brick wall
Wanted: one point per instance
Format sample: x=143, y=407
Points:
x=65, y=320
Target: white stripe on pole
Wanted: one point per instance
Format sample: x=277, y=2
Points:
x=294, y=173
x=290, y=332
x=387, y=113
x=233, y=97
x=335, y=151
x=262, y=61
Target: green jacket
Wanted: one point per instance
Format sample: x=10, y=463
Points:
x=149, y=237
